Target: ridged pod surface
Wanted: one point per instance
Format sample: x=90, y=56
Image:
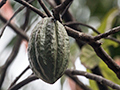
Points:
x=48, y=50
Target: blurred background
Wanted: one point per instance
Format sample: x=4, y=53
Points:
x=102, y=15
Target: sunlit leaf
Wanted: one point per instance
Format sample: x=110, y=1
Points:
x=108, y=74
x=108, y=20
x=93, y=85
x=107, y=43
x=88, y=57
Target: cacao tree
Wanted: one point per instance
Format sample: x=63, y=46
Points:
x=55, y=35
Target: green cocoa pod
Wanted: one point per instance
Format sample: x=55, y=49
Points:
x=48, y=50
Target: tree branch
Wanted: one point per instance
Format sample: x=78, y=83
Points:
x=97, y=71
x=60, y=8
x=79, y=35
x=31, y=7
x=77, y=81
x=95, y=77
x=112, y=31
x=24, y=82
x=106, y=58
x=16, y=12
x=16, y=29
x=45, y=8
x=9, y=60
x=17, y=78
x=96, y=46
x=78, y=23
x=113, y=39
x=13, y=53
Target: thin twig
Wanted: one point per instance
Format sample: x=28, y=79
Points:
x=60, y=8
x=17, y=78
x=66, y=9
x=16, y=29
x=78, y=23
x=113, y=39
x=24, y=82
x=9, y=60
x=77, y=81
x=96, y=78
x=26, y=20
x=2, y=3
x=106, y=34
x=31, y=7
x=16, y=12
x=45, y=8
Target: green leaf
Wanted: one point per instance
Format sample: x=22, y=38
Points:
x=93, y=85
x=107, y=24
x=108, y=74
x=107, y=43
x=108, y=20
x=88, y=57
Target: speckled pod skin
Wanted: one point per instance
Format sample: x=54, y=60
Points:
x=48, y=50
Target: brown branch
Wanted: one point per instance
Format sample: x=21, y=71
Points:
x=67, y=16
x=31, y=7
x=66, y=9
x=45, y=8
x=106, y=34
x=113, y=39
x=9, y=60
x=79, y=35
x=24, y=82
x=15, y=13
x=2, y=3
x=106, y=58
x=95, y=77
x=60, y=8
x=16, y=29
x=26, y=20
x=14, y=52
x=78, y=23
x=33, y=77
x=96, y=70
x=96, y=46
x=77, y=81
x=17, y=78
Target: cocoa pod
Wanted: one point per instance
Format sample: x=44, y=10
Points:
x=48, y=50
